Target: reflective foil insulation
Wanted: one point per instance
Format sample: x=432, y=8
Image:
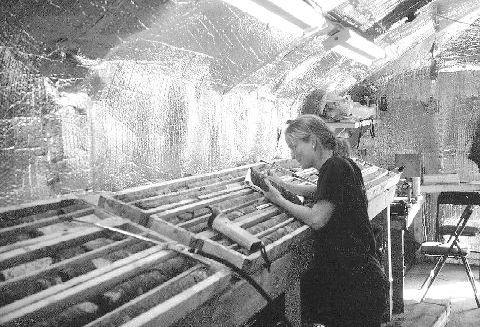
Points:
x=105, y=95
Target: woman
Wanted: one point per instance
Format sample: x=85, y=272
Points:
x=346, y=285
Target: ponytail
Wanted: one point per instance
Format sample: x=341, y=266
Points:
x=342, y=147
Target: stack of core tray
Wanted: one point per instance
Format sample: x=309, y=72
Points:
x=179, y=209
x=57, y=271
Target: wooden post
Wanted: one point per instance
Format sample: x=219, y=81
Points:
x=387, y=259
x=398, y=264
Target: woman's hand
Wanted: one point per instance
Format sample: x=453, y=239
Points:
x=274, y=177
x=273, y=193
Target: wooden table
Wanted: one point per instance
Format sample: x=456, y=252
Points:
x=177, y=209
x=222, y=299
x=458, y=187
x=398, y=226
x=240, y=301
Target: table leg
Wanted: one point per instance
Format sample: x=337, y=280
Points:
x=387, y=259
x=398, y=264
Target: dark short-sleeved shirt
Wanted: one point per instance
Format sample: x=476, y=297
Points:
x=348, y=233
x=346, y=285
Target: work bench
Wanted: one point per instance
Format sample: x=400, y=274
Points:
x=175, y=213
x=291, y=253
x=400, y=224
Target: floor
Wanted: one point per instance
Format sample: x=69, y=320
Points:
x=450, y=286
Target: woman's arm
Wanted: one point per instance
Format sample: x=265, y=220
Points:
x=315, y=217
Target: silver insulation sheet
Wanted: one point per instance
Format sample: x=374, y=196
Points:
x=142, y=127
x=146, y=102
x=156, y=127
x=440, y=128
x=30, y=133
x=173, y=88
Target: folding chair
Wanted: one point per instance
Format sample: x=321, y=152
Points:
x=452, y=248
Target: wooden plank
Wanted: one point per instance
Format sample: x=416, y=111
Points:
x=274, y=228
x=236, y=314
x=245, y=262
x=86, y=286
x=189, y=192
x=204, y=218
x=378, y=203
x=369, y=170
x=145, y=301
x=376, y=178
x=241, y=301
x=441, y=179
x=383, y=184
x=247, y=220
x=256, y=217
x=184, y=180
x=461, y=187
x=170, y=230
x=193, y=222
x=124, y=210
x=397, y=252
x=278, y=248
x=146, y=232
x=179, y=306
x=413, y=210
x=4, y=232
x=25, y=254
x=200, y=204
x=34, y=251
x=235, y=258
x=237, y=187
x=52, y=233
x=80, y=288
x=34, y=275
x=269, y=230
x=168, y=186
x=26, y=209
x=168, y=206
x=387, y=259
x=76, y=261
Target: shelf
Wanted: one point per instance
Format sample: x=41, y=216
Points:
x=458, y=187
x=404, y=222
x=351, y=124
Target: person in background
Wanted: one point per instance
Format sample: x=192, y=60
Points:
x=346, y=284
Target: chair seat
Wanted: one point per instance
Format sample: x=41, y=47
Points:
x=449, y=229
x=438, y=248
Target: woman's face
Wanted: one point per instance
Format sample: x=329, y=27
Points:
x=303, y=152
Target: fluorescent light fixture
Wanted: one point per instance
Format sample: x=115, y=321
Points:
x=350, y=44
x=289, y=15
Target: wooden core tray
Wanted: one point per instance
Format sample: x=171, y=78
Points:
x=75, y=274
x=179, y=210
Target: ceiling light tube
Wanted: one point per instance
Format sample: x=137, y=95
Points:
x=291, y=16
x=350, y=44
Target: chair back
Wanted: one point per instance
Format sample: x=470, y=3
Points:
x=462, y=222
x=457, y=198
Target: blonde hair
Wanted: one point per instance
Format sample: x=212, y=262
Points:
x=307, y=126
x=342, y=148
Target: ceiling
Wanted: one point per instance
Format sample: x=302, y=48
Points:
x=215, y=44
